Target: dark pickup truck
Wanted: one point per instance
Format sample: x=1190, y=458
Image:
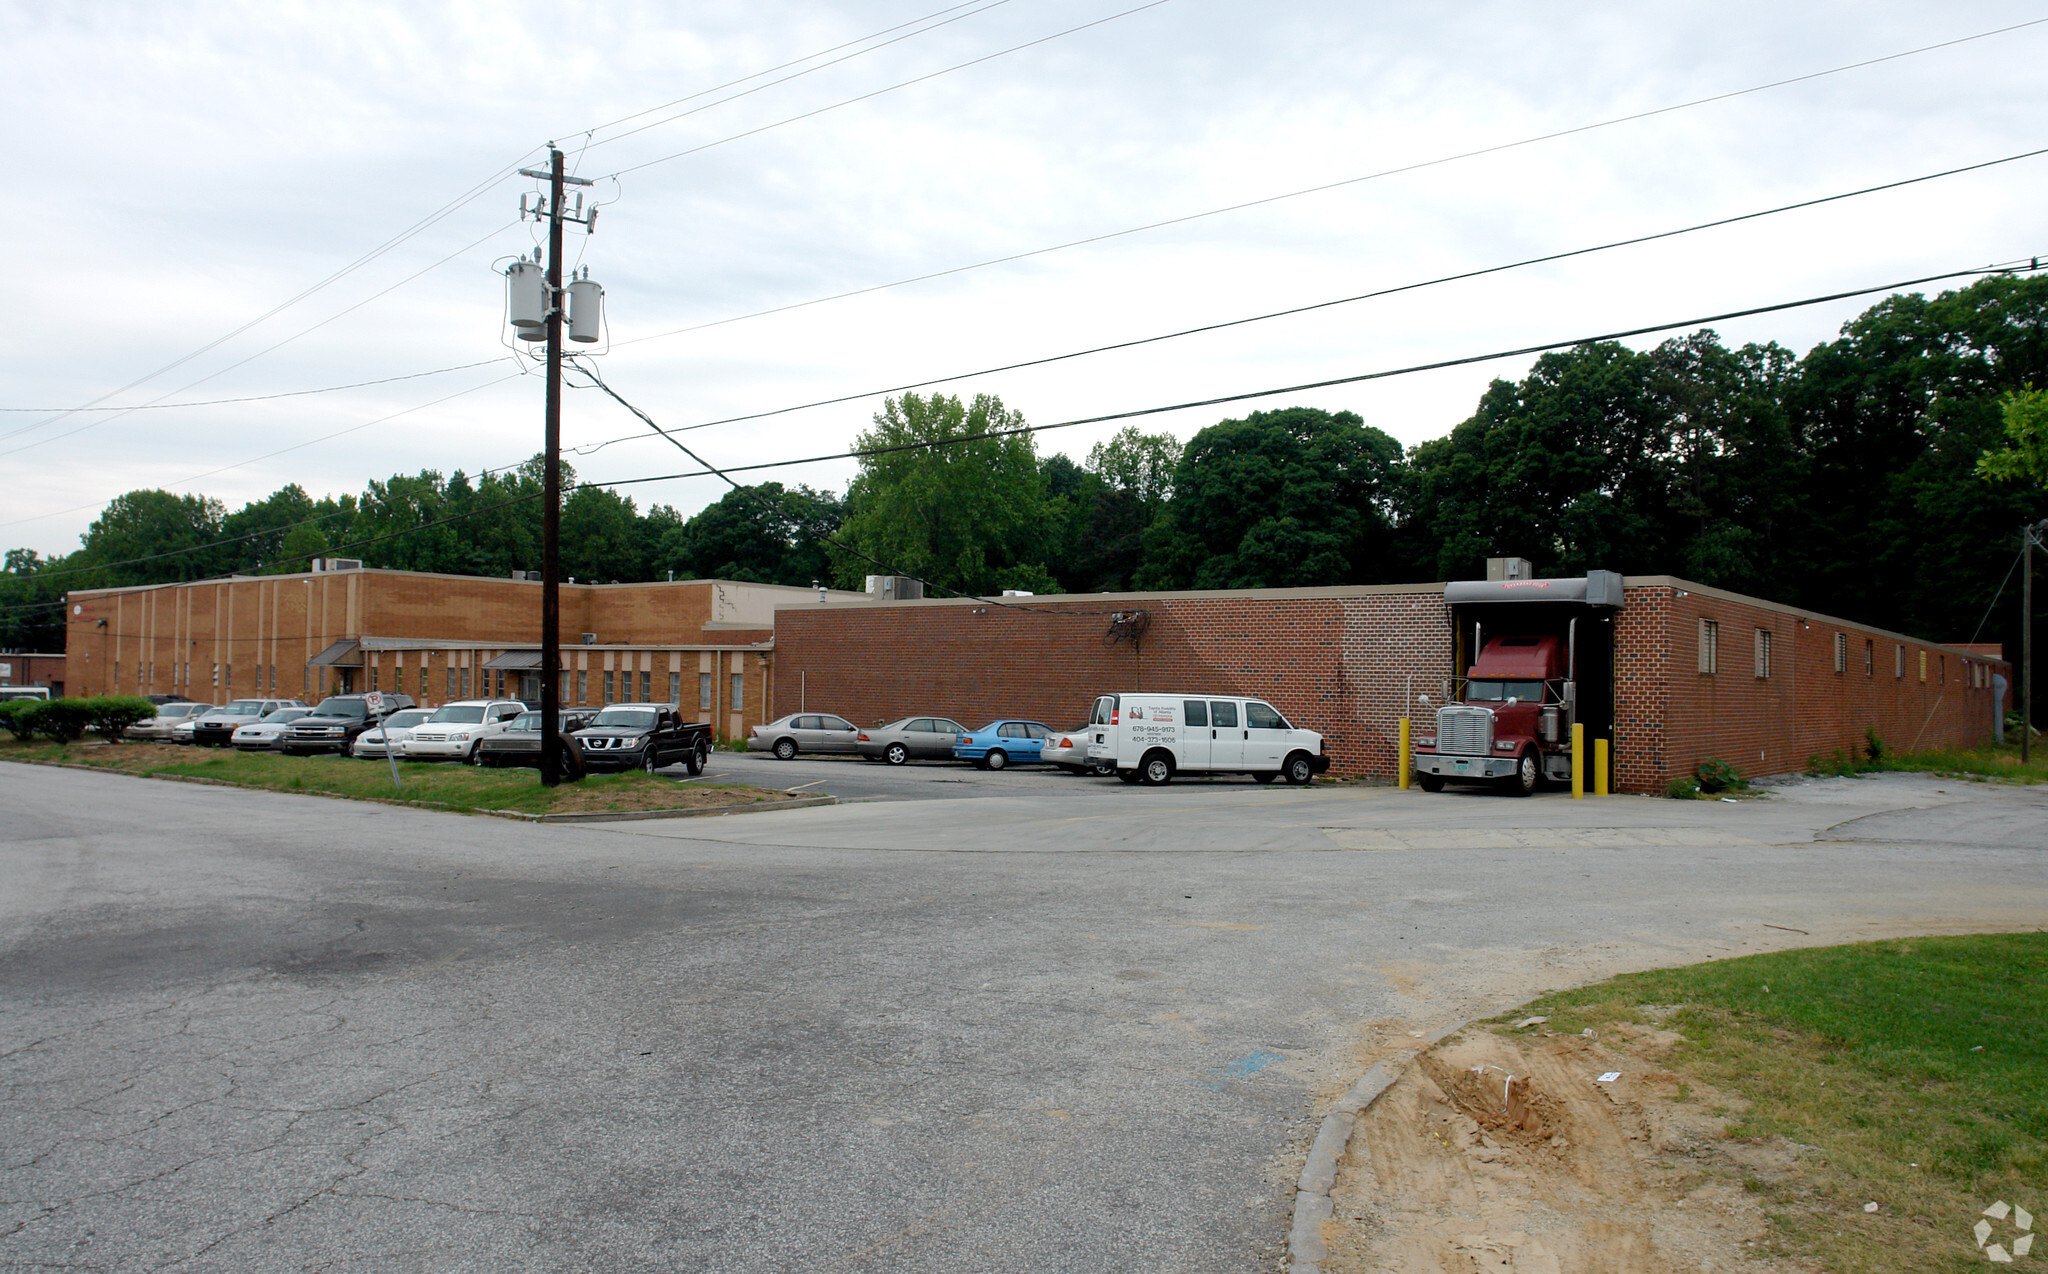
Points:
x=646, y=736
x=334, y=725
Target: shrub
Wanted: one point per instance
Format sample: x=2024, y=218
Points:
x=111, y=715
x=19, y=716
x=1685, y=789
x=62, y=720
x=1716, y=775
x=1873, y=747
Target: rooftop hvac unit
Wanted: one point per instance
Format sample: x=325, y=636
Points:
x=322, y=564
x=895, y=588
x=1508, y=568
x=590, y=639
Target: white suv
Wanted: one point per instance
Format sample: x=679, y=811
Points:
x=453, y=732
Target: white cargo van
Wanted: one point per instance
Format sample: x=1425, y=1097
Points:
x=1150, y=737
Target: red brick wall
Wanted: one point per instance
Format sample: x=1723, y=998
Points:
x=1337, y=662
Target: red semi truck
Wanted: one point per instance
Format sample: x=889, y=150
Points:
x=1513, y=723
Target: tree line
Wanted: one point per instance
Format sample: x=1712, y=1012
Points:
x=1853, y=480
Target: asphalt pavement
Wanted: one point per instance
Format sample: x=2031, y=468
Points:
x=1040, y=1024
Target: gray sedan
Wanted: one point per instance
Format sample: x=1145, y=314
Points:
x=911, y=738
x=803, y=732
x=1069, y=751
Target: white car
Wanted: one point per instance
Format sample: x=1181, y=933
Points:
x=453, y=732
x=397, y=728
x=182, y=731
x=167, y=718
x=1068, y=749
x=262, y=736
x=1151, y=737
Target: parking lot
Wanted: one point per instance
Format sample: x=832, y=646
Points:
x=1007, y=1021
x=852, y=778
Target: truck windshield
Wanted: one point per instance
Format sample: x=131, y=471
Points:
x=1497, y=691
x=339, y=707
x=632, y=718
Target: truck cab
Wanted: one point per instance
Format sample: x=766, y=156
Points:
x=1512, y=722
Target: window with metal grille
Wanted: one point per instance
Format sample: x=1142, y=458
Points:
x=1869, y=657
x=608, y=685
x=583, y=685
x=1710, y=647
x=1841, y=652
x=1763, y=653
x=675, y=689
x=704, y=692
x=646, y=686
x=739, y=694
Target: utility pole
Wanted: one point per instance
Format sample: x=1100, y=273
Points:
x=2030, y=536
x=551, y=315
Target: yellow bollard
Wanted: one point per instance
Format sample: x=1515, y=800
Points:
x=1578, y=760
x=1599, y=767
x=1407, y=761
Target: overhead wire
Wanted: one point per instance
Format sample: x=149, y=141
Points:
x=2025, y=266
x=262, y=398
x=1324, y=187
x=1459, y=276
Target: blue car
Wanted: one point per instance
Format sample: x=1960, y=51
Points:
x=1003, y=743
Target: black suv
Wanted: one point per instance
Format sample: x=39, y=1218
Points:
x=334, y=725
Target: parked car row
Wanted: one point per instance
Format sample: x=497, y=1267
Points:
x=1140, y=738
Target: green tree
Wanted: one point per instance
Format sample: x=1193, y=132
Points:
x=765, y=534
x=2024, y=458
x=1298, y=496
x=968, y=516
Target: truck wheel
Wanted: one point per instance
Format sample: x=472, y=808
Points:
x=1102, y=769
x=896, y=754
x=1526, y=773
x=650, y=762
x=1156, y=770
x=1298, y=770
x=1431, y=782
x=694, y=762
x=785, y=749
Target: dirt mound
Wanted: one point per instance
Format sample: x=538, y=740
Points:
x=1508, y=1153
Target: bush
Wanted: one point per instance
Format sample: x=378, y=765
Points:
x=19, y=716
x=1685, y=789
x=1873, y=747
x=111, y=715
x=62, y=720
x=1716, y=775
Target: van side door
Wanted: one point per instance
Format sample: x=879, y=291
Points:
x=1226, y=735
x=1194, y=735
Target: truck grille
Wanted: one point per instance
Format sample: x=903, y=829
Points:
x=1463, y=731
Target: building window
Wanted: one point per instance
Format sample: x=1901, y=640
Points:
x=582, y=685
x=451, y=681
x=398, y=679
x=1763, y=654
x=739, y=692
x=1942, y=669
x=307, y=688
x=675, y=689
x=1923, y=666
x=646, y=686
x=1869, y=657
x=608, y=685
x=1710, y=647
x=1841, y=652
x=465, y=683
x=376, y=674
x=1899, y=661
x=703, y=692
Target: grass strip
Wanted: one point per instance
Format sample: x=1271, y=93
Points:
x=1918, y=1067
x=439, y=785
x=1999, y=762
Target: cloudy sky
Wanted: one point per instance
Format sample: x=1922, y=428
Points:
x=227, y=201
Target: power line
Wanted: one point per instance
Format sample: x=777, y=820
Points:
x=260, y=398
x=787, y=78
x=1308, y=190
x=1411, y=369
x=1322, y=305
x=708, y=470
x=850, y=101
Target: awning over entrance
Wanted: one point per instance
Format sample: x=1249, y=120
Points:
x=1599, y=588
x=342, y=654
x=517, y=661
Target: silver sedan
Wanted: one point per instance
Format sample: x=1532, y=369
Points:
x=1068, y=750
x=910, y=739
x=803, y=732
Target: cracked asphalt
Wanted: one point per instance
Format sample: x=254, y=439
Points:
x=1070, y=1027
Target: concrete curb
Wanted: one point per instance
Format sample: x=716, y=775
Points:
x=1312, y=1204
x=622, y=816
x=634, y=816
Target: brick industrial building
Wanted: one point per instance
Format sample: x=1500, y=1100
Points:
x=1692, y=672
x=1676, y=673
x=708, y=644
